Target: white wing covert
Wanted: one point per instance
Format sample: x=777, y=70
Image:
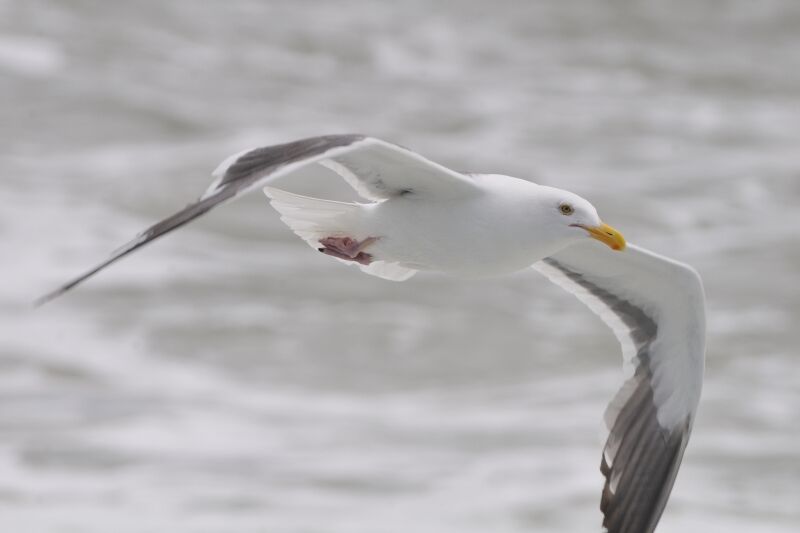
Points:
x=656, y=308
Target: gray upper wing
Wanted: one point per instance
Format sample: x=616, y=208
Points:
x=245, y=172
x=247, y=167
x=640, y=458
x=656, y=307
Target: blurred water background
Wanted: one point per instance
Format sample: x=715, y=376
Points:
x=228, y=379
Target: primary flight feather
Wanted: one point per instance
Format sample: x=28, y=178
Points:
x=420, y=215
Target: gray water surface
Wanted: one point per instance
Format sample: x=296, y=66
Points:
x=229, y=379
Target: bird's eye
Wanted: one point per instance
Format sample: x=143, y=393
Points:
x=566, y=209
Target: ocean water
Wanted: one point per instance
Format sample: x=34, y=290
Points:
x=228, y=379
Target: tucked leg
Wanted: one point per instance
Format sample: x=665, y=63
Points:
x=347, y=248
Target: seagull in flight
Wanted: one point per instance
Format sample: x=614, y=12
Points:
x=419, y=215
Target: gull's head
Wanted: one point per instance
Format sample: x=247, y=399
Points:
x=576, y=218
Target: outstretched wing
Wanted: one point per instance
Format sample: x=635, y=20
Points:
x=656, y=308
x=375, y=168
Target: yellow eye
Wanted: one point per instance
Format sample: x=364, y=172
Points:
x=566, y=209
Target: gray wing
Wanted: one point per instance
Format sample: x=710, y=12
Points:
x=656, y=308
x=376, y=169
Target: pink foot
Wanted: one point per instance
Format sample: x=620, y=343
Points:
x=347, y=248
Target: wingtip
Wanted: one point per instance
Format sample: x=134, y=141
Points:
x=41, y=300
x=66, y=287
x=47, y=297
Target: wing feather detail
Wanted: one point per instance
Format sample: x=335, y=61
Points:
x=375, y=168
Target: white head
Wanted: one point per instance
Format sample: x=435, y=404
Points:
x=572, y=217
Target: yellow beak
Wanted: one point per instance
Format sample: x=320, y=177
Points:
x=607, y=235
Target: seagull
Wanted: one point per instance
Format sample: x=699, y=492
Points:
x=422, y=216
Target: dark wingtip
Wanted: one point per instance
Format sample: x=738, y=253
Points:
x=159, y=229
x=41, y=300
x=52, y=295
